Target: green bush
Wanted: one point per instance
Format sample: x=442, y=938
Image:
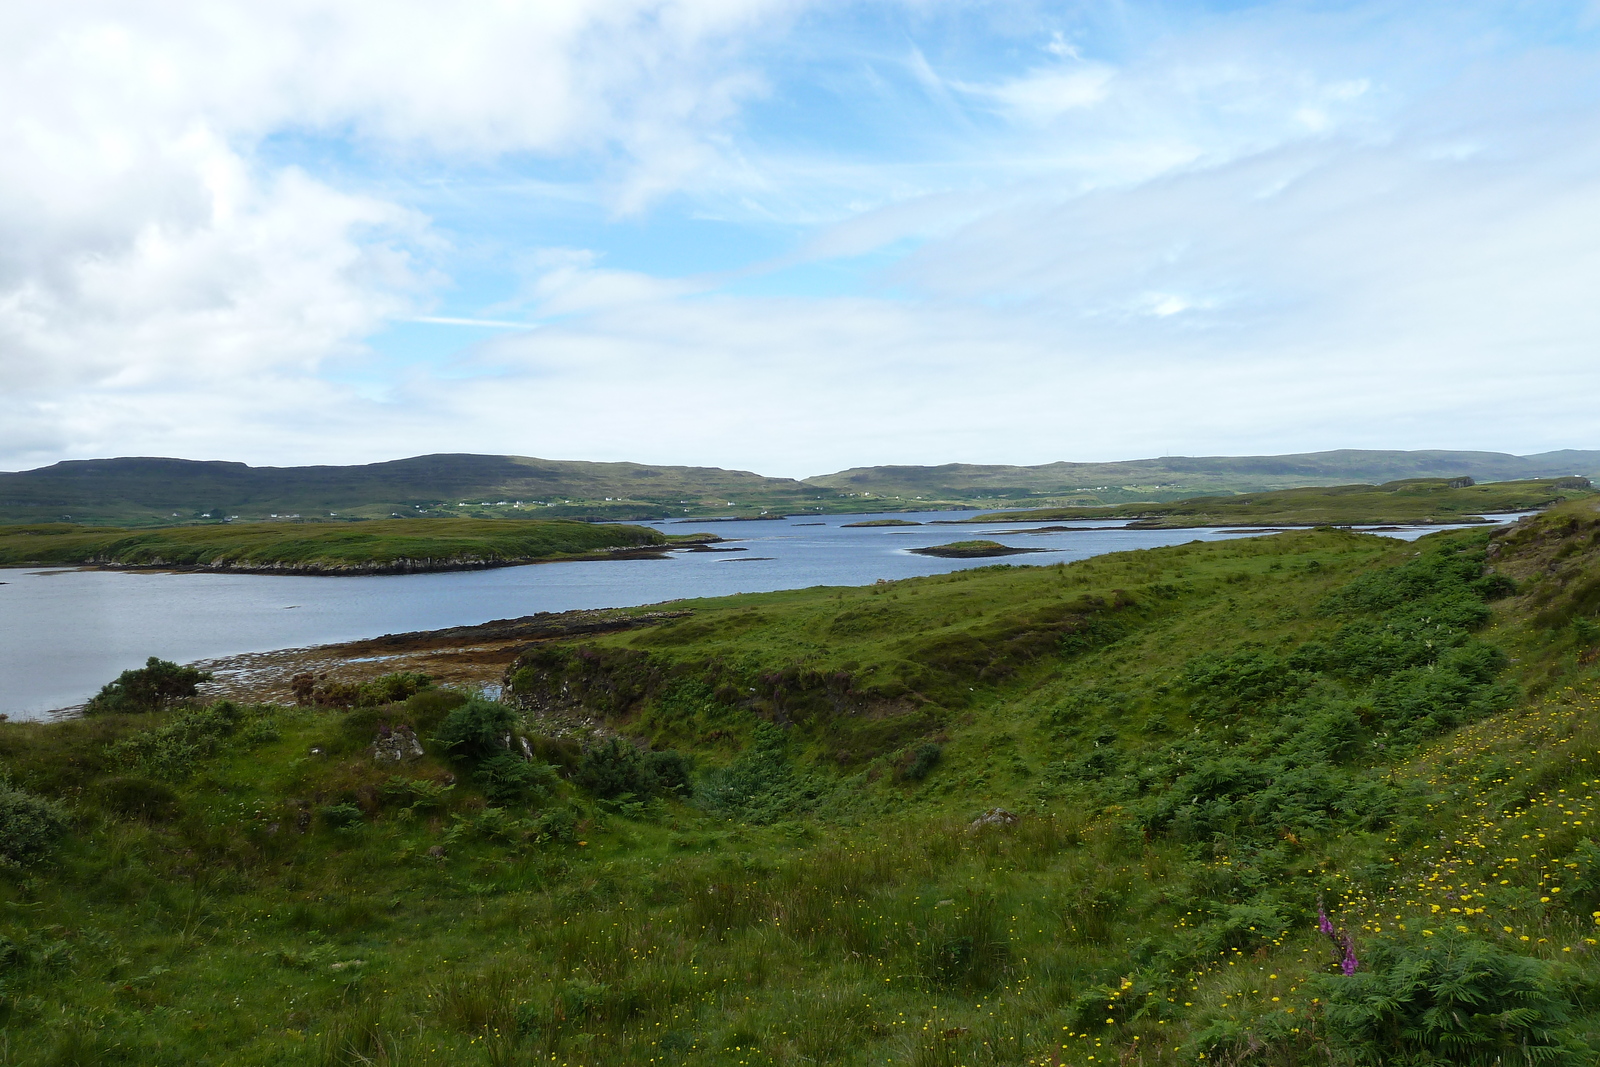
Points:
x=671, y=771
x=427, y=709
x=921, y=762
x=149, y=688
x=321, y=691
x=29, y=825
x=171, y=751
x=559, y=823
x=506, y=777
x=476, y=730
x=1450, y=1001
x=619, y=769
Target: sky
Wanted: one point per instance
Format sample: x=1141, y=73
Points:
x=795, y=237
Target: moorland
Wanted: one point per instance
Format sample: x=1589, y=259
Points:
x=1427, y=501
x=1319, y=797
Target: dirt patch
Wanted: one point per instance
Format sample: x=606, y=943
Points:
x=469, y=657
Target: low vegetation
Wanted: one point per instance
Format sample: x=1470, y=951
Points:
x=148, y=688
x=978, y=549
x=1414, y=500
x=380, y=546
x=1314, y=798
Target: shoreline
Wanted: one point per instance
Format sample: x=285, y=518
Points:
x=401, y=565
x=473, y=657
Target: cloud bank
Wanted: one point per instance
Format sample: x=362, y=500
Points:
x=794, y=238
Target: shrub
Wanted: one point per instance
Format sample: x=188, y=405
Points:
x=29, y=825
x=922, y=761
x=1448, y=1000
x=505, y=777
x=149, y=688
x=476, y=729
x=171, y=751
x=427, y=709
x=557, y=824
x=615, y=769
x=671, y=771
x=322, y=691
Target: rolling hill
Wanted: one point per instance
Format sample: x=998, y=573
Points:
x=154, y=491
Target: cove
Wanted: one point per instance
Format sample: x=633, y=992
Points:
x=66, y=632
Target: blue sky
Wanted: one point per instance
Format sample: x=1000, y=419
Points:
x=795, y=237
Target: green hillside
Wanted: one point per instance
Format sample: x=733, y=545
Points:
x=1315, y=798
x=141, y=491
x=1175, y=477
x=379, y=547
x=1415, y=500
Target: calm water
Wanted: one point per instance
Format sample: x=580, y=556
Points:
x=65, y=633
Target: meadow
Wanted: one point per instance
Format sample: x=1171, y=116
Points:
x=1318, y=797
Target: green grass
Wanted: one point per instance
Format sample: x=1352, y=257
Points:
x=971, y=550
x=1418, y=500
x=373, y=547
x=1200, y=743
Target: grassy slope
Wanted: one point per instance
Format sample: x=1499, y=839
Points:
x=1411, y=501
x=386, y=544
x=852, y=917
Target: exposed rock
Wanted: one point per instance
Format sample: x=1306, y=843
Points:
x=396, y=745
x=993, y=817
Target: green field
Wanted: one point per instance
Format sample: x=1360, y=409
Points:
x=793, y=856
x=379, y=546
x=1418, y=500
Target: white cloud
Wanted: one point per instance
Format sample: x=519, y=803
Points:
x=1043, y=95
x=147, y=239
x=1265, y=233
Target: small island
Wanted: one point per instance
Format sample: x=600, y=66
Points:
x=973, y=550
x=879, y=522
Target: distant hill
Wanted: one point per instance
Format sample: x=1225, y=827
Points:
x=1174, y=477
x=150, y=491
x=142, y=490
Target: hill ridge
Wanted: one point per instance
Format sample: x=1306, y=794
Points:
x=161, y=490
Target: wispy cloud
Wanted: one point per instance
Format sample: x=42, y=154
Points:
x=767, y=233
